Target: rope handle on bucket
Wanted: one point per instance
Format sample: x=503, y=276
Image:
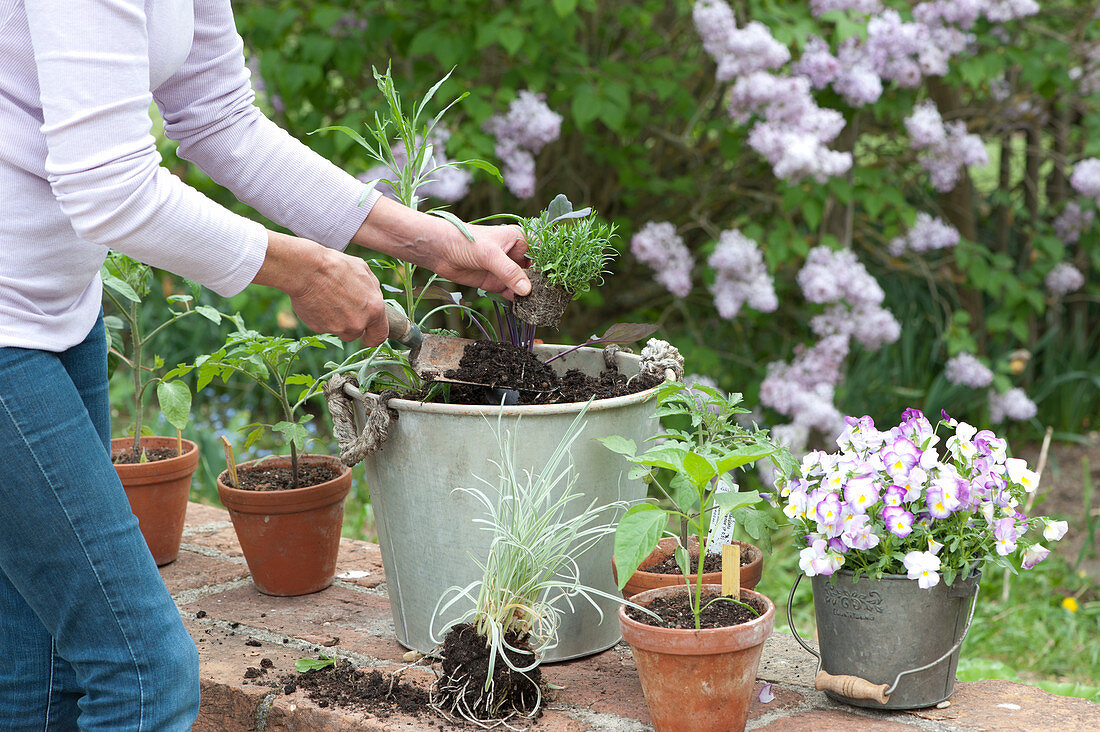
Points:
x=855, y=687
x=360, y=422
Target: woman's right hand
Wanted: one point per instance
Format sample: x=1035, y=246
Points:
x=331, y=292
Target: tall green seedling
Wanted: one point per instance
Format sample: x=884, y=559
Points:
x=691, y=467
x=126, y=286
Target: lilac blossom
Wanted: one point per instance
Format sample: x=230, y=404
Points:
x=898, y=521
x=1072, y=222
x=923, y=567
x=865, y=7
x=521, y=132
x=1063, y=278
x=658, y=245
x=962, y=13
x=740, y=276
x=1085, y=178
x=804, y=388
x=966, y=370
x=1013, y=404
x=736, y=51
x=794, y=131
x=1002, y=11
x=927, y=233
x=818, y=64
x=871, y=325
x=944, y=148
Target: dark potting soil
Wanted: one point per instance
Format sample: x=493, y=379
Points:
x=508, y=366
x=676, y=612
x=263, y=478
x=152, y=455
x=466, y=666
x=546, y=303
x=712, y=563
x=343, y=685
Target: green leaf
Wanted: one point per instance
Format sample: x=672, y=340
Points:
x=699, y=469
x=564, y=7
x=293, y=432
x=209, y=313
x=683, y=493
x=663, y=456
x=744, y=456
x=120, y=287
x=313, y=664
x=636, y=537
x=621, y=445
x=730, y=502
x=628, y=332
x=458, y=223
x=175, y=402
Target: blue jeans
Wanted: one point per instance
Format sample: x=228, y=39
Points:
x=89, y=635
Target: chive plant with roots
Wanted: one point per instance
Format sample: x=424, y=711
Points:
x=530, y=573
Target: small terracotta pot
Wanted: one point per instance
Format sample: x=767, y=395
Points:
x=158, y=493
x=698, y=680
x=642, y=581
x=290, y=538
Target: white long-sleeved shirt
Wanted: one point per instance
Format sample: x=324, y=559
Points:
x=80, y=172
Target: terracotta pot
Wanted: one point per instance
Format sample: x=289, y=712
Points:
x=698, y=680
x=158, y=493
x=290, y=538
x=642, y=581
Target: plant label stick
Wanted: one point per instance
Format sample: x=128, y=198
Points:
x=731, y=571
x=179, y=441
x=230, y=462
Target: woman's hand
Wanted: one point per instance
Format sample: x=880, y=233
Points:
x=493, y=261
x=330, y=292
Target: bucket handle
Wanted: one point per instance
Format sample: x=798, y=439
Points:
x=855, y=687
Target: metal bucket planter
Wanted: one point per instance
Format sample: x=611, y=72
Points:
x=427, y=531
x=888, y=644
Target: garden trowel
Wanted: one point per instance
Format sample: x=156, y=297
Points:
x=432, y=355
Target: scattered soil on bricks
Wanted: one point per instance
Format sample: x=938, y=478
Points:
x=465, y=667
x=261, y=478
x=152, y=455
x=676, y=612
x=343, y=685
x=503, y=365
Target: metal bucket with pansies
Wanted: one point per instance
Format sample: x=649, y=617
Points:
x=887, y=643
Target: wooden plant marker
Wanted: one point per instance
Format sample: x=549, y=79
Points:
x=731, y=571
x=179, y=442
x=229, y=461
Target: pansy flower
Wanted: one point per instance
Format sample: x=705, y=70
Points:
x=923, y=567
x=1054, y=530
x=899, y=522
x=1004, y=535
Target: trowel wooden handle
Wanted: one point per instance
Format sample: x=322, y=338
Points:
x=852, y=687
x=402, y=329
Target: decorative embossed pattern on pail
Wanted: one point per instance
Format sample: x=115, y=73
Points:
x=876, y=629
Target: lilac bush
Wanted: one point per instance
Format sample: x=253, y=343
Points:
x=521, y=133
x=898, y=502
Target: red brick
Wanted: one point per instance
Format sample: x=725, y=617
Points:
x=199, y=514
x=784, y=699
x=357, y=557
x=827, y=720
x=221, y=539
x=194, y=571
x=361, y=622
x=606, y=683
x=993, y=705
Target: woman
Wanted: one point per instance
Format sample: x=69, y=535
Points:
x=89, y=635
